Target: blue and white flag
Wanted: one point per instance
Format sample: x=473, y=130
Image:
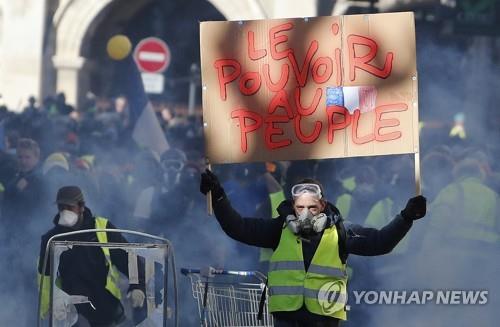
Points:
x=147, y=131
x=352, y=97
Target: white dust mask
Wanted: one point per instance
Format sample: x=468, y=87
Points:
x=68, y=218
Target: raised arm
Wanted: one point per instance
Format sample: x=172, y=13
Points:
x=370, y=241
x=252, y=231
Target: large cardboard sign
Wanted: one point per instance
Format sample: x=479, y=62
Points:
x=323, y=87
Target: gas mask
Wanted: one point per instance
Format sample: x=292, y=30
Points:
x=68, y=218
x=171, y=172
x=306, y=223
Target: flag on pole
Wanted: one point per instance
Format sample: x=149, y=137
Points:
x=146, y=129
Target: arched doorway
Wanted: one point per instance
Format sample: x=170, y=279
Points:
x=76, y=24
x=176, y=23
x=82, y=28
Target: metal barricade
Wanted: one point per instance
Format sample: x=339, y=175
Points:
x=154, y=260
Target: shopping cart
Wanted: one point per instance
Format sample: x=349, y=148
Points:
x=228, y=297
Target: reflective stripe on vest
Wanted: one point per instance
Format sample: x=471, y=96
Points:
x=323, y=288
x=322, y=295
x=299, y=265
x=113, y=276
x=308, y=293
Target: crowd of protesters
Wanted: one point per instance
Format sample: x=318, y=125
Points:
x=53, y=144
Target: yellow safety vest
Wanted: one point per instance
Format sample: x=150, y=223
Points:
x=323, y=288
x=113, y=276
x=459, y=131
x=344, y=201
x=380, y=214
x=276, y=198
x=467, y=210
x=111, y=280
x=349, y=183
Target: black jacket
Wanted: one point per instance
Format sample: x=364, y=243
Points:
x=266, y=233
x=83, y=269
x=23, y=206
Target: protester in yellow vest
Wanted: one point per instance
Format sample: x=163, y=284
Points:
x=307, y=275
x=88, y=274
x=467, y=209
x=276, y=196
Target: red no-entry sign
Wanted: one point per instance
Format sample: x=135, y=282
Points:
x=152, y=55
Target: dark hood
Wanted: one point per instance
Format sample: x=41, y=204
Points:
x=333, y=213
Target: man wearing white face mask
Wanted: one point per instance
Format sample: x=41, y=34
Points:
x=87, y=271
x=307, y=273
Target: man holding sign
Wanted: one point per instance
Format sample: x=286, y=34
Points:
x=311, y=88
x=307, y=276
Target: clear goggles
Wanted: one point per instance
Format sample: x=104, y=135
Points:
x=312, y=189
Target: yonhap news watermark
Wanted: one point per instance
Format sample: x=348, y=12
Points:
x=420, y=297
x=333, y=296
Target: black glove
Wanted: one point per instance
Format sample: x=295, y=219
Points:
x=285, y=208
x=415, y=208
x=210, y=182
